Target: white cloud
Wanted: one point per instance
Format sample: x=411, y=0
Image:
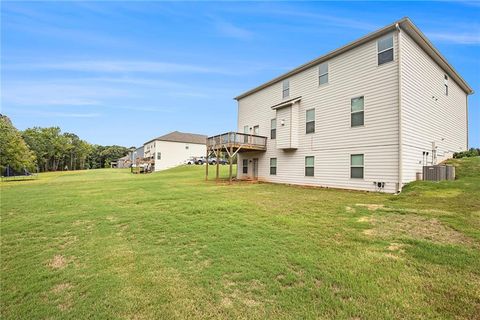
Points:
x=118, y=66
x=299, y=16
x=456, y=38
x=56, y=94
x=230, y=30
x=54, y=114
x=329, y=19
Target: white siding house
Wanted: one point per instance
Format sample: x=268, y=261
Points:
x=360, y=117
x=174, y=148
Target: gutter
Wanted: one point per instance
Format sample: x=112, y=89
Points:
x=408, y=26
x=400, y=138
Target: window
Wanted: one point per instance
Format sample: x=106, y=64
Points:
x=323, y=73
x=159, y=156
x=446, y=85
x=356, y=166
x=256, y=130
x=286, y=89
x=245, y=166
x=273, y=129
x=245, y=131
x=309, y=166
x=273, y=166
x=310, y=121
x=385, y=49
x=357, y=112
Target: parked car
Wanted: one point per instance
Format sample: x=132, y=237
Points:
x=200, y=160
x=190, y=160
x=214, y=161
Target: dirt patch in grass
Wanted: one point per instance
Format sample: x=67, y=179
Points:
x=226, y=302
x=58, y=262
x=111, y=218
x=59, y=288
x=396, y=247
x=371, y=207
x=350, y=209
x=364, y=219
x=85, y=224
x=413, y=226
x=62, y=296
x=251, y=302
x=369, y=232
x=239, y=297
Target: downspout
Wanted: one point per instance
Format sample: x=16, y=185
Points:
x=466, y=106
x=400, y=140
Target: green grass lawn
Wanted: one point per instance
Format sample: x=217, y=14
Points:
x=109, y=244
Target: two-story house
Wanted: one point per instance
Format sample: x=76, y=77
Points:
x=366, y=116
x=174, y=149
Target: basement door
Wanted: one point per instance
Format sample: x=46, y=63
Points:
x=255, y=169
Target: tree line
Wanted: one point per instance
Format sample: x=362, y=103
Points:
x=50, y=149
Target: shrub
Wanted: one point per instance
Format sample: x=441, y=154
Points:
x=473, y=152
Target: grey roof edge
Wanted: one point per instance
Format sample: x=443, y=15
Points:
x=173, y=140
x=351, y=45
x=286, y=103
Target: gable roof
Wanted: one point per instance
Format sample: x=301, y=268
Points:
x=177, y=136
x=406, y=25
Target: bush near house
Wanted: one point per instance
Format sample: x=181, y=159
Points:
x=106, y=244
x=473, y=152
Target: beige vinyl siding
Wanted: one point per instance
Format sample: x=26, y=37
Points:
x=149, y=149
x=426, y=119
x=284, y=116
x=174, y=153
x=351, y=74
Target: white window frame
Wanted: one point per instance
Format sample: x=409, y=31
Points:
x=305, y=166
x=276, y=164
x=446, y=84
x=392, y=48
x=352, y=112
x=323, y=74
x=306, y=122
x=357, y=166
x=274, y=120
x=286, y=88
x=244, y=166
x=246, y=133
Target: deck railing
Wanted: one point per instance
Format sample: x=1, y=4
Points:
x=238, y=139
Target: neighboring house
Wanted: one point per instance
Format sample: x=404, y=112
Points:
x=136, y=154
x=366, y=116
x=123, y=162
x=174, y=148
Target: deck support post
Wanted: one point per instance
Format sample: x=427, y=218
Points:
x=230, y=160
x=218, y=164
x=206, y=168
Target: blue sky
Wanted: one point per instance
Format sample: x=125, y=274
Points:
x=125, y=72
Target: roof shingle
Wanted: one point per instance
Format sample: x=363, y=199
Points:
x=177, y=136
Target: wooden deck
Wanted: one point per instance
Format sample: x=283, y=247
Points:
x=232, y=143
x=240, y=142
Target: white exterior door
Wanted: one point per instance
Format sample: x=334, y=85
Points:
x=255, y=169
